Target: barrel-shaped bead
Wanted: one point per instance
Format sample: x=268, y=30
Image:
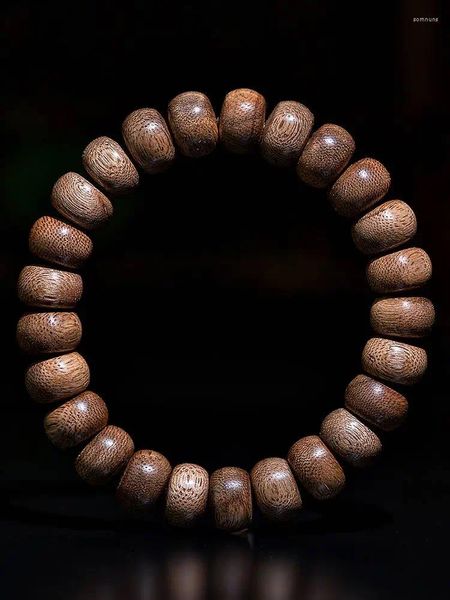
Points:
x=394, y=361
x=109, y=166
x=242, y=120
x=275, y=489
x=408, y=317
x=49, y=288
x=193, y=124
x=230, y=497
x=144, y=479
x=48, y=332
x=399, y=271
x=187, y=494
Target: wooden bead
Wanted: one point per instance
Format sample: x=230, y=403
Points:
x=275, y=489
x=42, y=286
x=359, y=187
x=187, y=494
x=105, y=456
x=144, y=479
x=231, y=498
x=76, y=420
x=242, y=120
x=376, y=403
x=410, y=317
x=48, y=332
x=400, y=271
x=55, y=241
x=316, y=468
x=109, y=166
x=394, y=361
x=350, y=439
x=57, y=378
x=76, y=199
x=285, y=133
x=148, y=140
x=326, y=154
x=193, y=124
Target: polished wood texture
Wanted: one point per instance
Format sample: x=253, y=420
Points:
x=144, y=480
x=48, y=332
x=76, y=199
x=400, y=271
x=230, y=496
x=387, y=226
x=77, y=420
x=109, y=166
x=375, y=403
x=49, y=288
x=409, y=317
x=394, y=361
x=241, y=120
x=57, y=242
x=148, y=140
x=350, y=439
x=285, y=133
x=193, y=124
x=359, y=187
x=104, y=456
x=316, y=468
x=326, y=154
x=275, y=489
x=187, y=494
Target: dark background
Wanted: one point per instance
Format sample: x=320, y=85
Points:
x=226, y=306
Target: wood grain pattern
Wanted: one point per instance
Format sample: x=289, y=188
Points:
x=359, y=187
x=242, y=120
x=48, y=332
x=275, y=489
x=316, y=468
x=400, y=271
x=285, y=133
x=77, y=420
x=230, y=497
x=57, y=378
x=108, y=165
x=409, y=317
x=350, y=439
x=376, y=403
x=187, y=494
x=49, y=288
x=326, y=154
x=394, y=361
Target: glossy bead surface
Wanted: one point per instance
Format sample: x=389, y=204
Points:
x=76, y=420
x=49, y=288
x=48, y=332
x=148, y=140
x=109, y=166
x=350, y=439
x=187, y=494
x=241, y=121
x=400, y=271
x=104, y=456
x=409, y=317
x=285, y=133
x=376, y=403
x=144, y=479
x=231, y=498
x=326, y=154
x=359, y=187
x=394, y=361
x=275, y=489
x=316, y=468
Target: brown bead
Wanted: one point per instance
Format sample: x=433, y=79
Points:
x=230, y=496
x=400, y=271
x=187, y=494
x=275, y=489
x=109, y=166
x=48, y=332
x=350, y=439
x=144, y=479
x=326, y=154
x=57, y=378
x=148, y=140
x=316, y=468
x=242, y=120
x=105, y=456
x=76, y=420
x=410, y=317
x=193, y=124
x=55, y=241
x=52, y=288
x=76, y=199
x=359, y=187
x=376, y=403
x=394, y=361
x=285, y=133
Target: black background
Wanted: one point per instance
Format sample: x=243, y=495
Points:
x=226, y=306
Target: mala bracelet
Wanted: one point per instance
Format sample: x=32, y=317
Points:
x=285, y=139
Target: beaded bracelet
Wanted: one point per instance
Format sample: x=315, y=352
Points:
x=285, y=139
